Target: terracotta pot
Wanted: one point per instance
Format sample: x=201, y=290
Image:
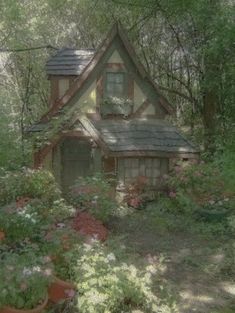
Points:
x=60, y=290
x=38, y=309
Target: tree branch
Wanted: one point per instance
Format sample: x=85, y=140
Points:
x=28, y=49
x=176, y=92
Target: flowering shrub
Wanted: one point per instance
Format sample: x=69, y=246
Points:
x=195, y=187
x=202, y=182
x=28, y=184
x=95, y=195
x=20, y=224
x=58, y=239
x=136, y=193
x=24, y=280
x=106, y=285
x=57, y=210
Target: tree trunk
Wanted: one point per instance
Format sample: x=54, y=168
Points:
x=209, y=120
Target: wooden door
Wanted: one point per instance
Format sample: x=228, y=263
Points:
x=76, y=159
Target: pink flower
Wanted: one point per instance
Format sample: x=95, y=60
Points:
x=172, y=194
x=48, y=272
x=70, y=293
x=177, y=169
x=135, y=202
x=47, y=259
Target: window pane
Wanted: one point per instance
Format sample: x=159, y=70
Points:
x=115, y=84
x=109, y=88
x=110, y=77
x=119, y=78
x=118, y=90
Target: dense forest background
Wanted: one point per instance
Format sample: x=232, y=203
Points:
x=187, y=46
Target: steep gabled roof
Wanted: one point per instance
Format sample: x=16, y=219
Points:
x=69, y=61
x=116, y=30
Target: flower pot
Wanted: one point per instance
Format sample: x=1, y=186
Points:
x=38, y=309
x=60, y=290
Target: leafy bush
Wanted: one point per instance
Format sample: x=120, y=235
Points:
x=95, y=195
x=136, y=194
x=197, y=186
x=55, y=211
x=58, y=240
x=20, y=225
x=226, y=163
x=24, y=280
x=28, y=183
x=106, y=285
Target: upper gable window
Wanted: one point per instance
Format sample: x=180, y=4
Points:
x=115, y=85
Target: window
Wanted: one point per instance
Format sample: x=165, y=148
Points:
x=115, y=85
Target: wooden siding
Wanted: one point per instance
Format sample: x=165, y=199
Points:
x=63, y=86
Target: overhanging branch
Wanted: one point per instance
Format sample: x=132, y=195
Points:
x=28, y=49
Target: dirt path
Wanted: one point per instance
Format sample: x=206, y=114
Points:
x=190, y=265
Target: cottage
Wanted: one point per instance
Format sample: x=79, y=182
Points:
x=106, y=114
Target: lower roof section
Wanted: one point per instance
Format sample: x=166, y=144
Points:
x=143, y=137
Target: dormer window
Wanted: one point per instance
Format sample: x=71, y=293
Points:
x=115, y=85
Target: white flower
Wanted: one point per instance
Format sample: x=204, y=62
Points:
x=26, y=271
x=60, y=225
x=111, y=257
x=48, y=272
x=36, y=269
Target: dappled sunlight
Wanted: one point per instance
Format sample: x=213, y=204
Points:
x=228, y=287
x=188, y=295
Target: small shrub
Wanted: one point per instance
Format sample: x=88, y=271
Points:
x=24, y=280
x=137, y=193
x=95, y=195
x=28, y=183
x=20, y=225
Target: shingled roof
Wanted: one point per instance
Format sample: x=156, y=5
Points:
x=69, y=61
x=123, y=136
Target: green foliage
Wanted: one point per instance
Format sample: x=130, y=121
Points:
x=28, y=183
x=58, y=240
x=24, y=280
x=94, y=194
x=53, y=211
x=20, y=225
x=225, y=161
